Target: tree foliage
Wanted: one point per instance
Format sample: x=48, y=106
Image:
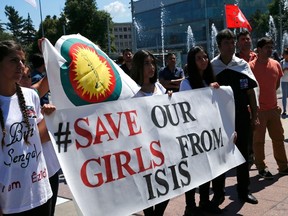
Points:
x=28, y=31
x=1, y=26
x=5, y=36
x=84, y=18
x=260, y=21
x=15, y=23
x=81, y=17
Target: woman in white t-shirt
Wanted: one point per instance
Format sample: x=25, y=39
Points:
x=144, y=73
x=284, y=80
x=200, y=74
x=24, y=182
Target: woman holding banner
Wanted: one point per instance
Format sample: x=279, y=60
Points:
x=144, y=73
x=200, y=74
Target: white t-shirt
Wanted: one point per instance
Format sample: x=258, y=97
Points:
x=51, y=158
x=284, y=65
x=24, y=182
x=160, y=90
x=185, y=85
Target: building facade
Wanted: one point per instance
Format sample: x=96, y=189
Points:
x=122, y=36
x=166, y=22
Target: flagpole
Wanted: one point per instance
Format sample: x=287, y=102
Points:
x=224, y=20
x=280, y=27
x=42, y=28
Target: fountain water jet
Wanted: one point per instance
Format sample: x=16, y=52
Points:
x=190, y=38
x=138, y=27
x=272, y=30
x=284, y=41
x=214, y=32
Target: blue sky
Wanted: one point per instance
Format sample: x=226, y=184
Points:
x=119, y=9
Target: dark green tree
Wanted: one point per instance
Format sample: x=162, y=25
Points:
x=53, y=30
x=4, y=35
x=15, y=23
x=79, y=15
x=1, y=26
x=28, y=32
x=84, y=18
x=260, y=21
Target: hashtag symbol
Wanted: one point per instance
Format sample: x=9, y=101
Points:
x=63, y=134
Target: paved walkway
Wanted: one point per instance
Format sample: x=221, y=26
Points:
x=271, y=194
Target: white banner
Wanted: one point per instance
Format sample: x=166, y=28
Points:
x=121, y=157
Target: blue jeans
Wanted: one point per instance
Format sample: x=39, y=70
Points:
x=284, y=86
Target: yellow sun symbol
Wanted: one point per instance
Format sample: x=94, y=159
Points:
x=92, y=73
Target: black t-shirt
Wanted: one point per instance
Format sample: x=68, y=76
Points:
x=239, y=83
x=125, y=69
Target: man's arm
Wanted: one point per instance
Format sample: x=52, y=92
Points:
x=278, y=84
x=280, y=71
x=253, y=107
x=47, y=109
x=170, y=83
x=41, y=86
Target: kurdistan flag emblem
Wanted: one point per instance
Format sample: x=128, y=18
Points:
x=88, y=76
x=80, y=73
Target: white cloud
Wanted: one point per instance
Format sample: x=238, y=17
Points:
x=117, y=10
x=115, y=7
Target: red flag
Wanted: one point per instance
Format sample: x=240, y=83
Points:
x=235, y=18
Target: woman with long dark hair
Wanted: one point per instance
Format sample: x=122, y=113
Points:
x=200, y=74
x=24, y=182
x=144, y=73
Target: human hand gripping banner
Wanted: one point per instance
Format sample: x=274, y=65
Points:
x=120, y=157
x=80, y=73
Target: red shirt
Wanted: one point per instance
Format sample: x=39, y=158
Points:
x=267, y=76
x=252, y=56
